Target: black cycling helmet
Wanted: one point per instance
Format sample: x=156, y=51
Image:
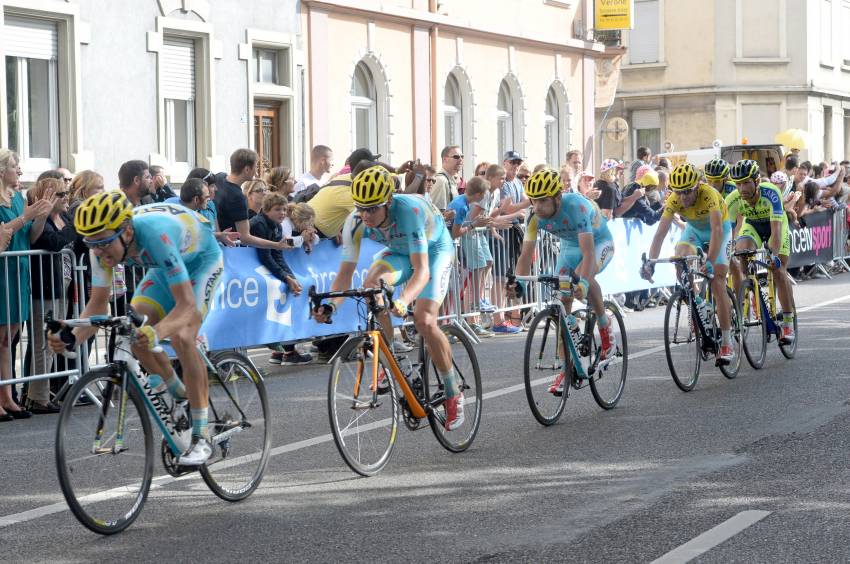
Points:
x=716, y=169
x=745, y=170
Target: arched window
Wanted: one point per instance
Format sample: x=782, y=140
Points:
x=453, y=112
x=552, y=123
x=364, y=109
x=505, y=119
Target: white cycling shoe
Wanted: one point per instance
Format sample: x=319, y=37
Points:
x=198, y=453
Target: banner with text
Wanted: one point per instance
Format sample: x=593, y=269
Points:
x=632, y=238
x=812, y=243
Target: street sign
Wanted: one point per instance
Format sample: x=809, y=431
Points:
x=614, y=14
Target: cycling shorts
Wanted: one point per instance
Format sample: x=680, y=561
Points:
x=701, y=239
x=204, y=272
x=760, y=236
x=570, y=256
x=441, y=257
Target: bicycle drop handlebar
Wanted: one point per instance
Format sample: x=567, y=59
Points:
x=316, y=298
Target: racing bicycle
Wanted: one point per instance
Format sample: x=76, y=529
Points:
x=370, y=388
x=105, y=450
x=758, y=304
x=691, y=326
x=562, y=342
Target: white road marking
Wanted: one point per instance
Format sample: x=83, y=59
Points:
x=161, y=481
x=712, y=537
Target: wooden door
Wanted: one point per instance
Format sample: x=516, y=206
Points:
x=267, y=136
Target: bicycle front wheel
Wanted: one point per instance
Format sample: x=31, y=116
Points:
x=240, y=433
x=754, y=328
x=104, y=461
x=681, y=343
x=543, y=365
x=468, y=376
x=731, y=370
x=364, y=423
x=609, y=381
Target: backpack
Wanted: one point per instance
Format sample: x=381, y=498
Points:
x=310, y=192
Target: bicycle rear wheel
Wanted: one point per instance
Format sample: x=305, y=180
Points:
x=465, y=364
x=681, y=342
x=240, y=434
x=754, y=328
x=790, y=349
x=609, y=381
x=364, y=423
x=542, y=365
x=731, y=370
x=105, y=479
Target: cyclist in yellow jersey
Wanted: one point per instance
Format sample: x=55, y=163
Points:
x=761, y=217
x=708, y=223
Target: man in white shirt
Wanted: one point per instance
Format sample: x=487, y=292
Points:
x=444, y=188
x=321, y=161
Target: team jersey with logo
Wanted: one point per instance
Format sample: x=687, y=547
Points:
x=768, y=207
x=169, y=237
x=414, y=226
x=577, y=215
x=699, y=214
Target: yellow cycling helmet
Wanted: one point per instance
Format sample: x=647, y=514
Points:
x=107, y=210
x=684, y=177
x=372, y=186
x=544, y=183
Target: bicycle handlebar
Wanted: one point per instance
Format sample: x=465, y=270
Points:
x=316, y=298
x=675, y=260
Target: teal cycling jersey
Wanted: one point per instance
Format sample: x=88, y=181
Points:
x=169, y=237
x=414, y=226
x=577, y=215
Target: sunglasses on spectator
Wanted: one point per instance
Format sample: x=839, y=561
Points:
x=259, y=190
x=430, y=180
x=60, y=194
x=209, y=178
x=369, y=209
x=66, y=179
x=482, y=173
x=102, y=243
x=457, y=157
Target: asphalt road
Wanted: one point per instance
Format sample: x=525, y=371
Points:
x=755, y=469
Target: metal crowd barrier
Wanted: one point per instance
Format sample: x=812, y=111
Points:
x=839, y=239
x=43, y=282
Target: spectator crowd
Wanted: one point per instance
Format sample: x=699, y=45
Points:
x=277, y=212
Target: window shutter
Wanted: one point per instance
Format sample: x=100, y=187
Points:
x=30, y=39
x=643, y=39
x=646, y=119
x=178, y=68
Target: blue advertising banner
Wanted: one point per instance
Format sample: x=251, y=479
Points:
x=252, y=307
x=632, y=238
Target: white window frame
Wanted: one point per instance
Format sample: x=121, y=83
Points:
x=844, y=22
x=181, y=168
x=206, y=51
x=826, y=33
x=505, y=121
x=513, y=121
x=742, y=27
x=71, y=33
x=258, y=53
x=453, y=113
x=283, y=91
x=659, y=58
x=30, y=164
x=367, y=103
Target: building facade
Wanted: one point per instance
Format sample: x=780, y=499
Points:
x=408, y=77
x=734, y=70
x=180, y=83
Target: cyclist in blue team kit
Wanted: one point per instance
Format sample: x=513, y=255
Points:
x=184, y=264
x=586, y=248
x=419, y=252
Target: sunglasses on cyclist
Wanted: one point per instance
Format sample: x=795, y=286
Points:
x=369, y=209
x=688, y=192
x=102, y=243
